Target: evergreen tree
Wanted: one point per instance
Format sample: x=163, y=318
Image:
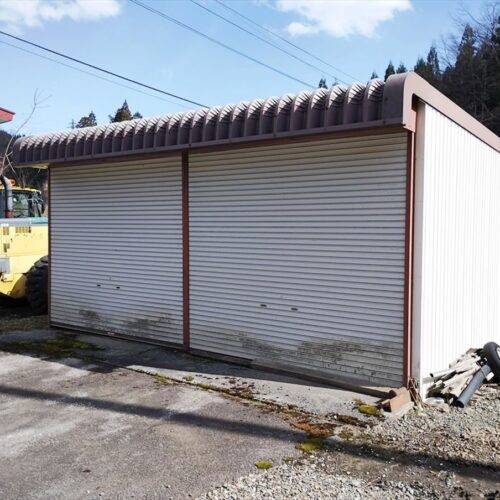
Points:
x=389, y=71
x=87, y=121
x=374, y=75
x=472, y=77
x=429, y=69
x=401, y=68
x=422, y=69
x=123, y=113
x=488, y=64
x=461, y=80
x=433, y=62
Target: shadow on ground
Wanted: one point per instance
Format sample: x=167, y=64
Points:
x=376, y=452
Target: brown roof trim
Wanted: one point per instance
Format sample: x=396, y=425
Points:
x=241, y=143
x=405, y=87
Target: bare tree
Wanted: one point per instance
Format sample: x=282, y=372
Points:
x=6, y=158
x=483, y=26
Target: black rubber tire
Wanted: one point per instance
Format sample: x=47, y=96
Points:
x=37, y=286
x=492, y=353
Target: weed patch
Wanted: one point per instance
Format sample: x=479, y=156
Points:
x=24, y=324
x=162, y=379
x=60, y=347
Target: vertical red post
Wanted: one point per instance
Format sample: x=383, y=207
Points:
x=49, y=285
x=185, y=249
x=408, y=302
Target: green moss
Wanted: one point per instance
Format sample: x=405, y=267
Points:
x=188, y=378
x=24, y=324
x=372, y=410
x=161, y=379
x=310, y=444
x=60, y=347
x=209, y=387
x=368, y=409
x=263, y=464
x=237, y=392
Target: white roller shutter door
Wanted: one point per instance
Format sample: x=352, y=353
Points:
x=116, y=247
x=297, y=255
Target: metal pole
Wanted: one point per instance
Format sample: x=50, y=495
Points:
x=8, y=208
x=474, y=385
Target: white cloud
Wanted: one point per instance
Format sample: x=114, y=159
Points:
x=17, y=14
x=340, y=18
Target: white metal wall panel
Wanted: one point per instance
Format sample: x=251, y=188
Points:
x=457, y=243
x=297, y=255
x=116, y=247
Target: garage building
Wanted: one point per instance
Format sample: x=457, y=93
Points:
x=351, y=234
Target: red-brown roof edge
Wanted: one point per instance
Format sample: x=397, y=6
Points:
x=6, y=115
x=407, y=86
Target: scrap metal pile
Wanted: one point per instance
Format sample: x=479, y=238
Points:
x=457, y=384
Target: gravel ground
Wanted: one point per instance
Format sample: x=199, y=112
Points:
x=433, y=453
x=469, y=435
x=311, y=480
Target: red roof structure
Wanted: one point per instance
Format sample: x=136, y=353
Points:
x=6, y=115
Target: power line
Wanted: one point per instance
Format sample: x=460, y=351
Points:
x=255, y=35
x=220, y=2
x=218, y=42
x=92, y=74
x=79, y=61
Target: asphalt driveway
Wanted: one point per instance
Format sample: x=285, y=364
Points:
x=70, y=428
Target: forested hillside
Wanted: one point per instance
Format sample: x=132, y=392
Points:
x=467, y=67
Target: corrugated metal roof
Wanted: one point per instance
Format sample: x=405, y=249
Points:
x=374, y=104
x=275, y=116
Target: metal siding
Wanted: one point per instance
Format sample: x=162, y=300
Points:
x=116, y=248
x=457, y=238
x=297, y=255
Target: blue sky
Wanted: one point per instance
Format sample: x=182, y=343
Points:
x=357, y=36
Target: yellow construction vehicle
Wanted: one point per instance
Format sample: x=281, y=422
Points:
x=23, y=245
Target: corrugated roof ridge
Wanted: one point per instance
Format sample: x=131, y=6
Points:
x=339, y=108
x=275, y=115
